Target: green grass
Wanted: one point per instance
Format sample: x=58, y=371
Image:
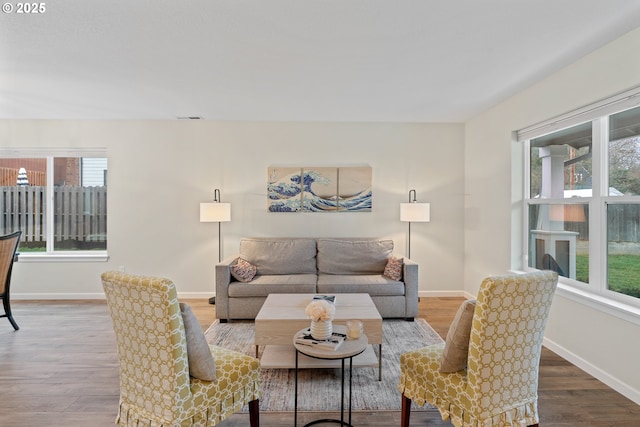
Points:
x=582, y=268
x=23, y=249
x=624, y=273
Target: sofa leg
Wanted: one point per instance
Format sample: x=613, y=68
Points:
x=410, y=319
x=223, y=320
x=406, y=411
x=254, y=413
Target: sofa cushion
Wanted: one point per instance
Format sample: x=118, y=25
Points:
x=280, y=256
x=263, y=285
x=353, y=256
x=372, y=284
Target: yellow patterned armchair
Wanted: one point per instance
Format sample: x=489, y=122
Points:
x=156, y=389
x=499, y=386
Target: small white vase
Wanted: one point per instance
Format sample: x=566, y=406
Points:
x=321, y=329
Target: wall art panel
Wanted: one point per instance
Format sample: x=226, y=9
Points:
x=354, y=189
x=319, y=189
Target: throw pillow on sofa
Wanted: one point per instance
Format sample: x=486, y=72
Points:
x=393, y=269
x=243, y=270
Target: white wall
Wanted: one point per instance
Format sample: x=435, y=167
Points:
x=599, y=342
x=159, y=172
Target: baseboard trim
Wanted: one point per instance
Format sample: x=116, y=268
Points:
x=443, y=294
x=93, y=296
x=615, y=383
x=52, y=296
x=192, y=295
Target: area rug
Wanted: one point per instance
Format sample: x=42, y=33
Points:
x=319, y=389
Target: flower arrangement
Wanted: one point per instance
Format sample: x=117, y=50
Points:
x=320, y=310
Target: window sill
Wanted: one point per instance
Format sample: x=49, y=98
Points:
x=598, y=302
x=63, y=257
x=601, y=303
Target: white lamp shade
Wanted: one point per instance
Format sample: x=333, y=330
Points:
x=415, y=212
x=215, y=212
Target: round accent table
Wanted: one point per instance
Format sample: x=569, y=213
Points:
x=349, y=348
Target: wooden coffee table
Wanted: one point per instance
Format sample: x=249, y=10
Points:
x=282, y=315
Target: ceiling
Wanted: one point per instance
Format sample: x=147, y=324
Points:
x=291, y=60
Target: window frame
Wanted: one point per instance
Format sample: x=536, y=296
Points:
x=51, y=255
x=595, y=293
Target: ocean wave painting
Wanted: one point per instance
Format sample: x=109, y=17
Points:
x=320, y=189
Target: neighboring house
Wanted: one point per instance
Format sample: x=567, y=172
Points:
x=94, y=172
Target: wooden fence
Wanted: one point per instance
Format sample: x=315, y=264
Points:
x=623, y=223
x=80, y=213
x=9, y=176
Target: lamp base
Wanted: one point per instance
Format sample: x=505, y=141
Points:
x=212, y=300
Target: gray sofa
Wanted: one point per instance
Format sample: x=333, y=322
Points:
x=315, y=265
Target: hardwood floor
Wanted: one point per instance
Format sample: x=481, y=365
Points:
x=61, y=369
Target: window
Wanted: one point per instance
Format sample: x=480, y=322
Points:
x=59, y=202
x=624, y=153
x=560, y=175
x=623, y=216
x=582, y=198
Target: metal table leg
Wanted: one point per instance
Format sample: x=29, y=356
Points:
x=295, y=404
x=380, y=362
x=326, y=420
x=350, y=381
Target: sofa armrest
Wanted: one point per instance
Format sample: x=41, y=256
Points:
x=223, y=279
x=410, y=275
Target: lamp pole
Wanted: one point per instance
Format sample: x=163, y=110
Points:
x=216, y=212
